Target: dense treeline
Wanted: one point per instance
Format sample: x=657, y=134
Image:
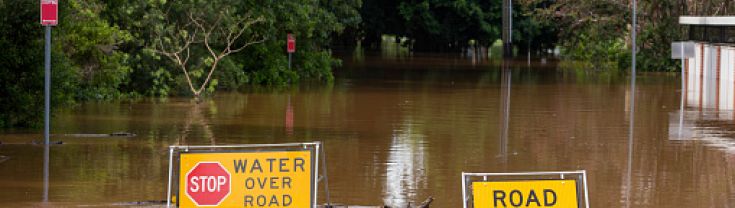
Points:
x=107, y=49
x=598, y=31
x=594, y=31
x=449, y=25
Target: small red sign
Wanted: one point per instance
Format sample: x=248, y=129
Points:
x=291, y=43
x=49, y=12
x=208, y=184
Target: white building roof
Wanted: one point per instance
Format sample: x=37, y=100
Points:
x=708, y=21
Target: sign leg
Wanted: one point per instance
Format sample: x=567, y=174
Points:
x=47, y=88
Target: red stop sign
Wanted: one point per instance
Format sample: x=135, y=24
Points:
x=207, y=184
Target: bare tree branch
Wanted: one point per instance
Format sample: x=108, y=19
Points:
x=221, y=31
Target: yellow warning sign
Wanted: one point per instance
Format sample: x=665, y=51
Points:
x=531, y=193
x=249, y=179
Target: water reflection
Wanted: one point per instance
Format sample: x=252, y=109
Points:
x=505, y=83
x=398, y=131
x=288, y=121
x=196, y=117
x=627, y=187
x=406, y=165
x=46, y=158
x=710, y=128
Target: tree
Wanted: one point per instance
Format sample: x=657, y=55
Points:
x=432, y=25
x=227, y=30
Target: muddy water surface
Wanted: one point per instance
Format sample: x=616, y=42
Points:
x=399, y=130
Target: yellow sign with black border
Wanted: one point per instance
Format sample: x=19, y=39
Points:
x=525, y=193
x=256, y=179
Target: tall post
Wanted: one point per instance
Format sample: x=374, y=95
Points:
x=631, y=128
x=507, y=28
x=46, y=158
x=683, y=90
x=47, y=89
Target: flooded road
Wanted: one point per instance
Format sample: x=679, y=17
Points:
x=398, y=130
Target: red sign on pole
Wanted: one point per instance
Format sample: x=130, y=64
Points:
x=49, y=12
x=291, y=43
x=208, y=183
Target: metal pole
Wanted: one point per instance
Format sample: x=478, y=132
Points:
x=683, y=90
x=507, y=31
x=46, y=118
x=47, y=88
x=170, y=174
x=586, y=193
x=464, y=191
x=316, y=180
x=46, y=158
x=326, y=177
x=632, y=108
x=289, y=60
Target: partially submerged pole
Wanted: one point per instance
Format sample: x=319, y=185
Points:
x=631, y=128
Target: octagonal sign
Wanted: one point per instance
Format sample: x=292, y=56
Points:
x=208, y=183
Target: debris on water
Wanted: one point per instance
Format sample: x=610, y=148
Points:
x=114, y=134
x=36, y=142
x=424, y=204
x=3, y=158
x=123, y=134
x=141, y=203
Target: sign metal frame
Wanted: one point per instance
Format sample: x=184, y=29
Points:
x=469, y=178
x=314, y=147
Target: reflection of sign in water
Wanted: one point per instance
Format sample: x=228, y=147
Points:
x=539, y=193
x=531, y=189
x=247, y=179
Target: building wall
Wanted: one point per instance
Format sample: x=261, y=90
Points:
x=710, y=77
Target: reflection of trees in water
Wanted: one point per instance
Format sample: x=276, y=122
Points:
x=195, y=116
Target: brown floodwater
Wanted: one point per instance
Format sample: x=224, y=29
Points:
x=398, y=129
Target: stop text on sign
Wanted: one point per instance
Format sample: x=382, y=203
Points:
x=532, y=193
x=258, y=179
x=207, y=183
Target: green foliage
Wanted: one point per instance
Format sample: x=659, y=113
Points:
x=533, y=31
x=433, y=25
x=599, y=31
x=21, y=67
x=313, y=23
x=102, y=50
x=90, y=43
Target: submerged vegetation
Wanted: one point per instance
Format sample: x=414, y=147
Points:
x=108, y=49
x=131, y=48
